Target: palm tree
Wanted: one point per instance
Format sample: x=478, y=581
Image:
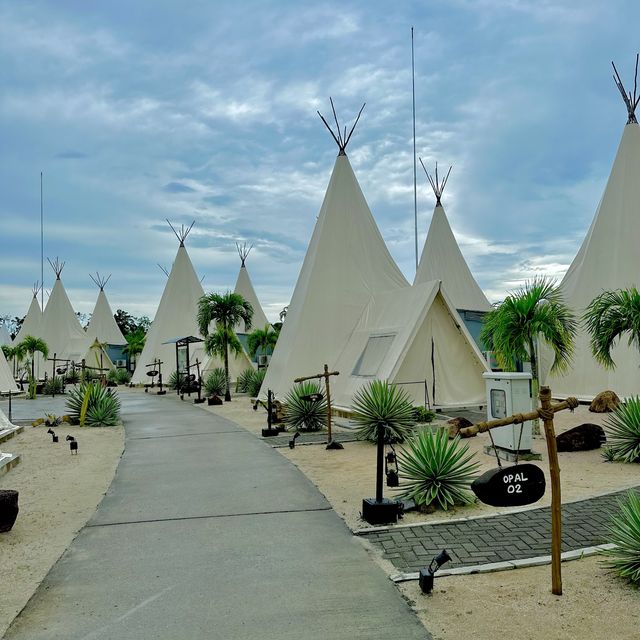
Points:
x=226, y=311
x=534, y=312
x=262, y=339
x=610, y=315
x=28, y=347
x=135, y=343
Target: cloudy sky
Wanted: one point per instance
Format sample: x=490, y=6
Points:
x=140, y=111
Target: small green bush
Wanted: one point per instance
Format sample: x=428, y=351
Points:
x=72, y=376
x=622, y=428
x=172, y=383
x=103, y=405
x=123, y=376
x=624, y=532
x=381, y=405
x=305, y=415
x=255, y=382
x=89, y=375
x=244, y=379
x=216, y=382
x=112, y=375
x=437, y=471
x=53, y=385
x=422, y=414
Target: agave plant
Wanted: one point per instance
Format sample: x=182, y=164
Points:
x=92, y=405
x=172, y=383
x=112, y=375
x=72, y=376
x=437, y=471
x=302, y=414
x=123, y=376
x=622, y=427
x=53, y=385
x=244, y=379
x=216, y=382
x=255, y=382
x=381, y=405
x=624, y=532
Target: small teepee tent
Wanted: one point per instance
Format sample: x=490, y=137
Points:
x=61, y=329
x=5, y=337
x=415, y=338
x=32, y=326
x=7, y=382
x=176, y=318
x=442, y=259
x=608, y=259
x=244, y=287
x=346, y=263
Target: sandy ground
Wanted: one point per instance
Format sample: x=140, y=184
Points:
x=519, y=604
x=346, y=476
x=59, y=492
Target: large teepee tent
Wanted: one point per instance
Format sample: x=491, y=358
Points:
x=415, y=338
x=442, y=259
x=608, y=259
x=61, y=329
x=346, y=263
x=102, y=326
x=32, y=326
x=176, y=318
x=245, y=288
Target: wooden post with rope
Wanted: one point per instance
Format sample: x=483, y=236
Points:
x=546, y=412
x=326, y=375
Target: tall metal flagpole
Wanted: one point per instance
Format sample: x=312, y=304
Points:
x=415, y=187
x=41, y=248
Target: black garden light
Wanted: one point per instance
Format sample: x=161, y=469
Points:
x=427, y=575
x=391, y=468
x=292, y=442
x=54, y=437
x=73, y=444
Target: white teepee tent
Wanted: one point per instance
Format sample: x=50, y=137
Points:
x=32, y=326
x=245, y=288
x=442, y=259
x=102, y=326
x=346, y=263
x=415, y=338
x=608, y=259
x=176, y=318
x=61, y=329
x=7, y=382
x=5, y=337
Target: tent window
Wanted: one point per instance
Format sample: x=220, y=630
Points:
x=373, y=354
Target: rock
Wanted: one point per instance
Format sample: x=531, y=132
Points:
x=604, y=402
x=584, y=437
x=455, y=424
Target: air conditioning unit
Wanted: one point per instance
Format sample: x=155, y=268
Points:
x=120, y=364
x=263, y=360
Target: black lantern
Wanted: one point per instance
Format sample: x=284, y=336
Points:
x=427, y=575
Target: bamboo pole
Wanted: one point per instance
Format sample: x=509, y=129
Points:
x=326, y=374
x=546, y=412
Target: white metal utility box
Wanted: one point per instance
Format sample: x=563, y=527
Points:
x=509, y=393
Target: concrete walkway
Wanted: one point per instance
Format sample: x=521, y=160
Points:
x=207, y=532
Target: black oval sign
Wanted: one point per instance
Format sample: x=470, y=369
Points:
x=510, y=486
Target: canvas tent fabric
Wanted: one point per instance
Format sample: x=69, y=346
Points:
x=7, y=382
x=61, y=329
x=175, y=318
x=244, y=287
x=102, y=326
x=442, y=259
x=32, y=326
x=346, y=263
x=5, y=337
x=608, y=259
x=415, y=338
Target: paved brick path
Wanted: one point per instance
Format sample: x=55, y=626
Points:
x=500, y=538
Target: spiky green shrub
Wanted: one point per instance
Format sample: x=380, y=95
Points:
x=622, y=428
x=624, y=532
x=99, y=405
x=216, y=382
x=72, y=376
x=607, y=454
x=53, y=385
x=255, y=382
x=437, y=471
x=381, y=405
x=112, y=375
x=242, y=383
x=123, y=376
x=173, y=380
x=301, y=414
x=422, y=414
x=89, y=375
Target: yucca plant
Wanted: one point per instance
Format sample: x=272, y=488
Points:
x=437, y=471
x=622, y=427
x=112, y=375
x=381, y=405
x=123, y=376
x=93, y=405
x=53, y=385
x=255, y=382
x=243, y=381
x=624, y=532
x=301, y=414
x=216, y=382
x=72, y=376
x=172, y=383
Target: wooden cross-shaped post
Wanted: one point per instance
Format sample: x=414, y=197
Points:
x=546, y=412
x=326, y=375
